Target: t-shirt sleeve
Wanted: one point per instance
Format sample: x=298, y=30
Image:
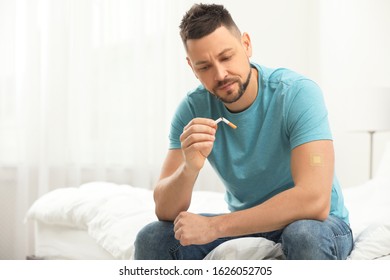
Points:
x=307, y=116
x=180, y=119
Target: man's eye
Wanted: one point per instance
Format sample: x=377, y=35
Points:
x=204, y=68
x=226, y=58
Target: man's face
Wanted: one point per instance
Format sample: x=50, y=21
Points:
x=220, y=61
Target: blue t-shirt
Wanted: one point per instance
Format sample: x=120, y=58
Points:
x=253, y=161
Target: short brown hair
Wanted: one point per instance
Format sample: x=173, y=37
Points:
x=203, y=19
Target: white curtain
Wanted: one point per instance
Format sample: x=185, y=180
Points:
x=87, y=91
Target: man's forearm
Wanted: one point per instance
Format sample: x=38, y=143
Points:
x=172, y=194
x=280, y=210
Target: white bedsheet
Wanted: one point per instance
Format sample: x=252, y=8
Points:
x=369, y=206
x=113, y=214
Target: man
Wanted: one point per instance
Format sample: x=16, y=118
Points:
x=277, y=166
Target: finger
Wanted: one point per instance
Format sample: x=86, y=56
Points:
x=202, y=121
x=177, y=235
x=197, y=133
x=197, y=139
x=197, y=129
x=184, y=242
x=181, y=237
x=176, y=226
x=177, y=221
x=203, y=148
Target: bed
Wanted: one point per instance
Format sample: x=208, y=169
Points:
x=99, y=220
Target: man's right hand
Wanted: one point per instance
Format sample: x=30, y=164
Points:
x=197, y=141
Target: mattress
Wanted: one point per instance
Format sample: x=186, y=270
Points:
x=58, y=242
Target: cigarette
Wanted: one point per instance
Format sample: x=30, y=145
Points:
x=232, y=125
x=218, y=120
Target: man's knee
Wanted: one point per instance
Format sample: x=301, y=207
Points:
x=303, y=231
x=307, y=239
x=147, y=233
x=153, y=241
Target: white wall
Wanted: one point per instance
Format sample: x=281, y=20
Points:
x=354, y=52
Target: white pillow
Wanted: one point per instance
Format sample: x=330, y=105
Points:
x=368, y=204
x=372, y=243
x=247, y=248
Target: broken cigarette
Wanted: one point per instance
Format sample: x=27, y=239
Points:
x=232, y=125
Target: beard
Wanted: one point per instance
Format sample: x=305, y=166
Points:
x=232, y=96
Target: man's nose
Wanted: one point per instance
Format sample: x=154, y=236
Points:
x=220, y=72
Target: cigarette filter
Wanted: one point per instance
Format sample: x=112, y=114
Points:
x=232, y=125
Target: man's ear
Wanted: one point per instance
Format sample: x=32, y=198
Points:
x=246, y=43
x=190, y=64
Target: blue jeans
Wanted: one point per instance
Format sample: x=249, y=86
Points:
x=301, y=240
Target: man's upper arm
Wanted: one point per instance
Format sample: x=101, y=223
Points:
x=312, y=168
